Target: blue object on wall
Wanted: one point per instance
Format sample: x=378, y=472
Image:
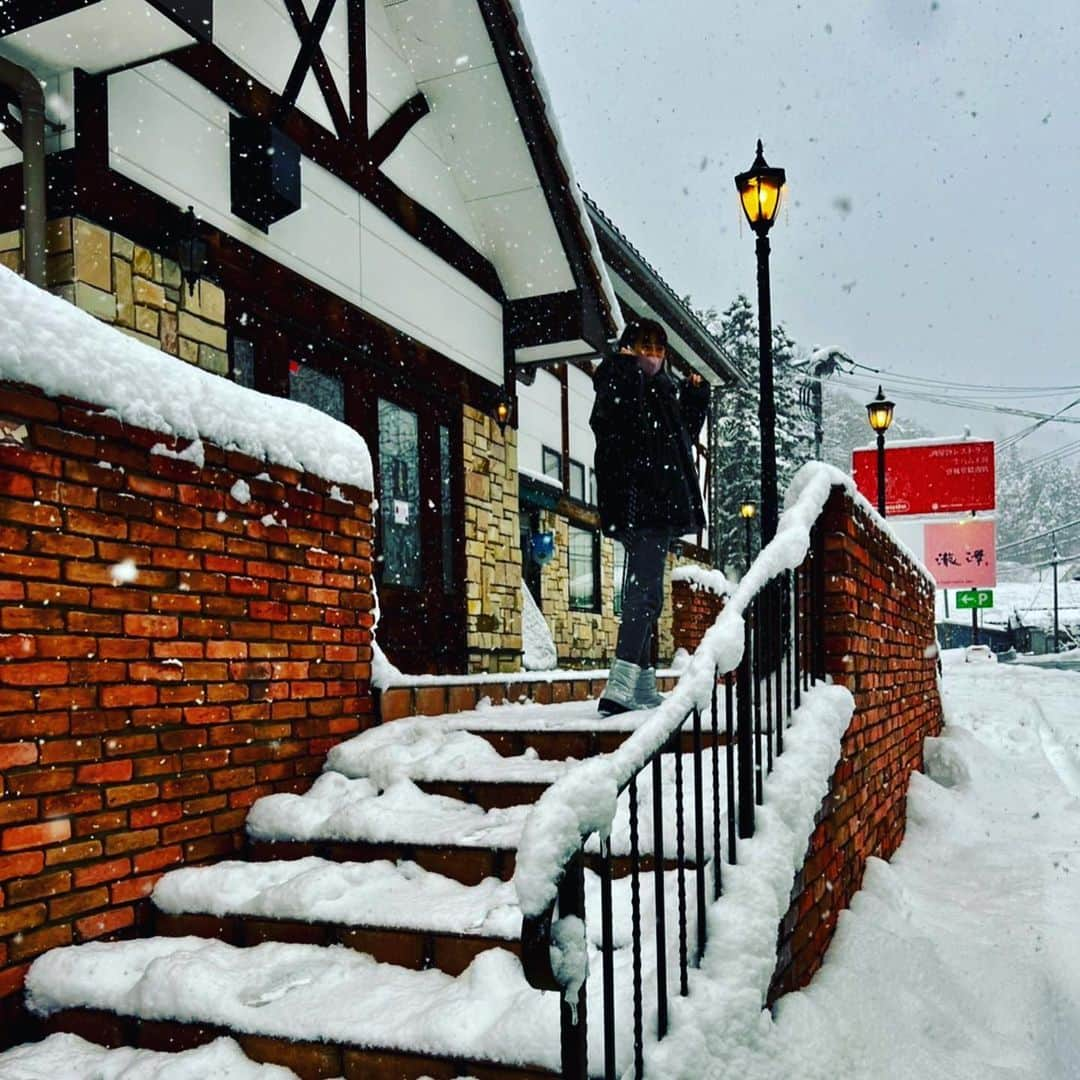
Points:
x=543, y=547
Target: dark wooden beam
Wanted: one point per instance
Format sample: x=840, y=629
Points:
x=358, y=74
x=543, y=320
x=396, y=126
x=193, y=16
x=312, y=58
x=211, y=68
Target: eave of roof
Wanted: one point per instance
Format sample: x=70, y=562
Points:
x=632, y=266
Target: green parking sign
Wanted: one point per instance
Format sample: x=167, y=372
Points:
x=975, y=598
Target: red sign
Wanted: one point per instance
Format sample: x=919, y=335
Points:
x=961, y=554
x=931, y=478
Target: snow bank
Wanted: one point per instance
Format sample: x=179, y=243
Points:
x=67, y=1057
x=538, y=646
x=49, y=343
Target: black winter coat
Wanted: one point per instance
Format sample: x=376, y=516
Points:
x=646, y=476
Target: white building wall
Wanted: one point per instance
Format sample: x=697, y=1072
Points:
x=170, y=135
x=582, y=440
x=539, y=420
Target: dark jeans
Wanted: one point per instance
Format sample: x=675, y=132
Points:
x=643, y=592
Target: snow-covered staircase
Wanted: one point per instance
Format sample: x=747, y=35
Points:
x=373, y=930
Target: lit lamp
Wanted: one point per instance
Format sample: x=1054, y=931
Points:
x=503, y=408
x=747, y=511
x=880, y=414
x=191, y=252
x=760, y=188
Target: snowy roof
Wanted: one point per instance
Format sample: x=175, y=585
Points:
x=53, y=345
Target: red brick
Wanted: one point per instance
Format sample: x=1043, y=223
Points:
x=34, y=673
x=107, y=922
x=21, y=753
x=17, y=646
x=25, y=865
x=153, y=626
x=104, y=772
x=102, y=871
x=19, y=837
x=125, y=696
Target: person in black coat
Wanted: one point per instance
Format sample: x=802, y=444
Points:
x=645, y=425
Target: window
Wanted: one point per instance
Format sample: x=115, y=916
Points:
x=243, y=362
x=552, y=464
x=446, y=509
x=592, y=487
x=399, y=495
x=577, y=480
x=584, y=553
x=619, y=577
x=317, y=389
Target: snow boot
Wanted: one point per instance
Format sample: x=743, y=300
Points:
x=646, y=695
x=618, y=695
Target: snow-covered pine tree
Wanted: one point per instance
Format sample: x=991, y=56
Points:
x=737, y=455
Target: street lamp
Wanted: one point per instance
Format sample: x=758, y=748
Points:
x=759, y=189
x=880, y=413
x=747, y=511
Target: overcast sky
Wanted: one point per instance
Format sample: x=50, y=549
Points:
x=932, y=155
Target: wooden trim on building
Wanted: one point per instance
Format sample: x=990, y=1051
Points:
x=396, y=126
x=346, y=160
x=190, y=15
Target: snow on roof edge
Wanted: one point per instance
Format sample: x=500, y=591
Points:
x=49, y=343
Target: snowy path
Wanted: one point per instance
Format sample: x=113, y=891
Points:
x=961, y=958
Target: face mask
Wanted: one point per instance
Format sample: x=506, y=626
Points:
x=649, y=364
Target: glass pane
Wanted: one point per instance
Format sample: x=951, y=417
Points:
x=399, y=495
x=577, y=480
x=553, y=464
x=592, y=487
x=446, y=508
x=317, y=389
x=243, y=362
x=582, y=569
x=619, y=577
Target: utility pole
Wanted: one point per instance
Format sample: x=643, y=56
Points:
x=826, y=364
x=1055, y=564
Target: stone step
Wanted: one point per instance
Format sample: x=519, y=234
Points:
x=415, y=949
x=468, y=865
x=561, y=744
x=321, y=1011
x=309, y=1060
x=491, y=795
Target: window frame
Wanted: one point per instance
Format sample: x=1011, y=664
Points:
x=547, y=452
x=580, y=467
x=595, y=607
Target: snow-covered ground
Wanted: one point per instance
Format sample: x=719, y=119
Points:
x=960, y=959
x=1032, y=599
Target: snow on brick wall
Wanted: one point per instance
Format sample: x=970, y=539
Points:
x=177, y=639
x=880, y=643
x=694, y=610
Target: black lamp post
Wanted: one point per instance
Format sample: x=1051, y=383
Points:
x=747, y=511
x=880, y=414
x=759, y=189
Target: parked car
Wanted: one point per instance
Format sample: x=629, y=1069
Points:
x=975, y=654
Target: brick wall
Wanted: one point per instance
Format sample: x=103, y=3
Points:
x=139, y=719
x=880, y=643
x=694, y=610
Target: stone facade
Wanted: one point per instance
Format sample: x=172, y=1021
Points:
x=136, y=290
x=587, y=638
x=492, y=546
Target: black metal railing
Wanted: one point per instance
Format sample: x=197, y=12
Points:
x=743, y=722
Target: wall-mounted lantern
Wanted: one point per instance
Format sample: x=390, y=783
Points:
x=542, y=547
x=503, y=408
x=191, y=250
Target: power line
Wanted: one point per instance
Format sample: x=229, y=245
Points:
x=1040, y=536
x=966, y=386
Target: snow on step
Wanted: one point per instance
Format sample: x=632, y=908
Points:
x=401, y=895
x=64, y=1056
x=337, y=808
x=434, y=750
x=308, y=993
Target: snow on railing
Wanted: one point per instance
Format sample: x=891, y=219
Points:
x=703, y=577
x=584, y=800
